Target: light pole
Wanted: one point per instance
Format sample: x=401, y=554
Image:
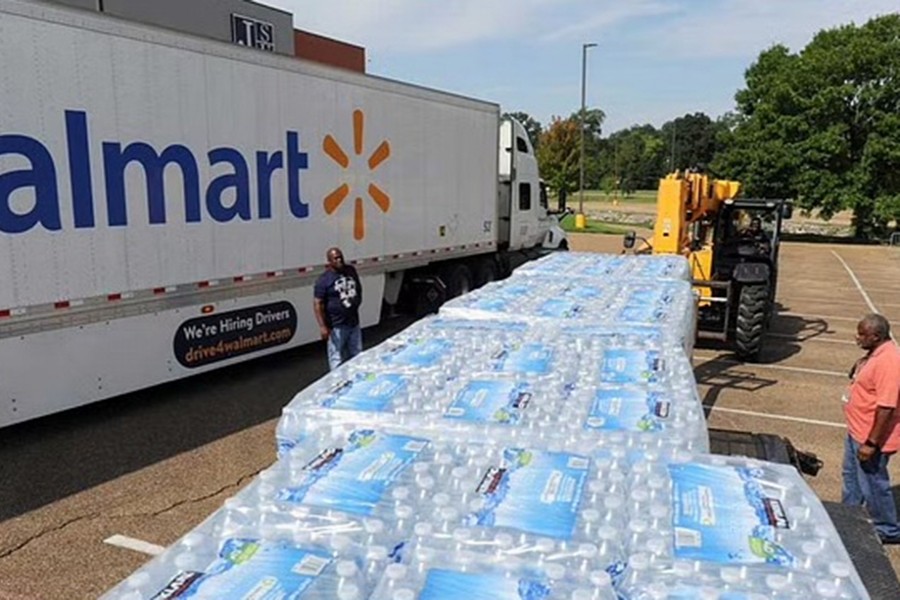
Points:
x=579, y=218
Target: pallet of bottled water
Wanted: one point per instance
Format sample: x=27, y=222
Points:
x=669, y=305
x=715, y=527
x=609, y=267
x=535, y=297
x=515, y=381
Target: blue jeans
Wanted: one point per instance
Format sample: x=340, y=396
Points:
x=343, y=344
x=868, y=483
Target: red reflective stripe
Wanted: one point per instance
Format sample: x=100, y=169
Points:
x=270, y=274
x=62, y=304
x=203, y=284
x=5, y=314
x=114, y=297
x=160, y=290
x=239, y=279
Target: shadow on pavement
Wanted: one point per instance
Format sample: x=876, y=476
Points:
x=720, y=376
x=50, y=458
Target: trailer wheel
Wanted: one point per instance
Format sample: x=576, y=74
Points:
x=486, y=271
x=458, y=279
x=753, y=310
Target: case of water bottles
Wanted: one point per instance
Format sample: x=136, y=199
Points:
x=222, y=559
x=707, y=526
x=523, y=382
x=470, y=576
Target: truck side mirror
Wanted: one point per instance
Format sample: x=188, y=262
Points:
x=787, y=210
x=629, y=240
x=561, y=200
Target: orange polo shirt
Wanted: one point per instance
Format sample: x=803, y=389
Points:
x=876, y=384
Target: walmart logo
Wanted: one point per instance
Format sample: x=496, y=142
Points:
x=334, y=150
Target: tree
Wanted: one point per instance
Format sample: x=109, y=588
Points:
x=558, y=155
x=532, y=126
x=593, y=144
x=823, y=125
x=638, y=155
x=692, y=141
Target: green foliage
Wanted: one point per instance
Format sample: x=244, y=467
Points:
x=558, y=155
x=691, y=142
x=823, y=125
x=591, y=226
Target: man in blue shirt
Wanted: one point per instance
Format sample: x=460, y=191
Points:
x=337, y=296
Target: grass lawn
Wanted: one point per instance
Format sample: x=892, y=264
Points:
x=568, y=224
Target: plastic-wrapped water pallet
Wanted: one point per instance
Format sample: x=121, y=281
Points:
x=715, y=527
x=669, y=305
x=609, y=267
x=534, y=297
x=517, y=383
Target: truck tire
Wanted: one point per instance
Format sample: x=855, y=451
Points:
x=752, y=316
x=486, y=270
x=458, y=279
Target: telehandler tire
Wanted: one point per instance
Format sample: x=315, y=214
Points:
x=752, y=316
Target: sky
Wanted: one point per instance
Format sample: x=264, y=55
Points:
x=655, y=60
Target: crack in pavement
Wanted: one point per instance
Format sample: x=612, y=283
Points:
x=92, y=516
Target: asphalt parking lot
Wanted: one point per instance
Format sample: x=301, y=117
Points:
x=150, y=466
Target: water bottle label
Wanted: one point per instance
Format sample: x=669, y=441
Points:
x=418, y=353
x=628, y=410
x=365, y=392
x=622, y=365
x=490, y=402
x=532, y=491
x=725, y=515
x=354, y=478
x=249, y=568
x=490, y=304
x=442, y=584
x=523, y=358
x=560, y=308
x=583, y=291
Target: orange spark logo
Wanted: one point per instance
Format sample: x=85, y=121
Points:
x=337, y=154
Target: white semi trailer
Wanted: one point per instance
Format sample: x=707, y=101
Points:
x=166, y=202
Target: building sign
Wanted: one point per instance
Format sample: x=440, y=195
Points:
x=252, y=33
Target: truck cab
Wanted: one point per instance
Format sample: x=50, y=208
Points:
x=522, y=210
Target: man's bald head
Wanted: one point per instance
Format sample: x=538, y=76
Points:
x=872, y=330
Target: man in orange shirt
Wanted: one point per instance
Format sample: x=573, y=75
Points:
x=873, y=426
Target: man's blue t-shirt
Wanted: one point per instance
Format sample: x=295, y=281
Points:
x=342, y=294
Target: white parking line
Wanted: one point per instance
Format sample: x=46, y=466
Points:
x=133, y=544
x=859, y=286
x=729, y=361
x=824, y=340
x=750, y=413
